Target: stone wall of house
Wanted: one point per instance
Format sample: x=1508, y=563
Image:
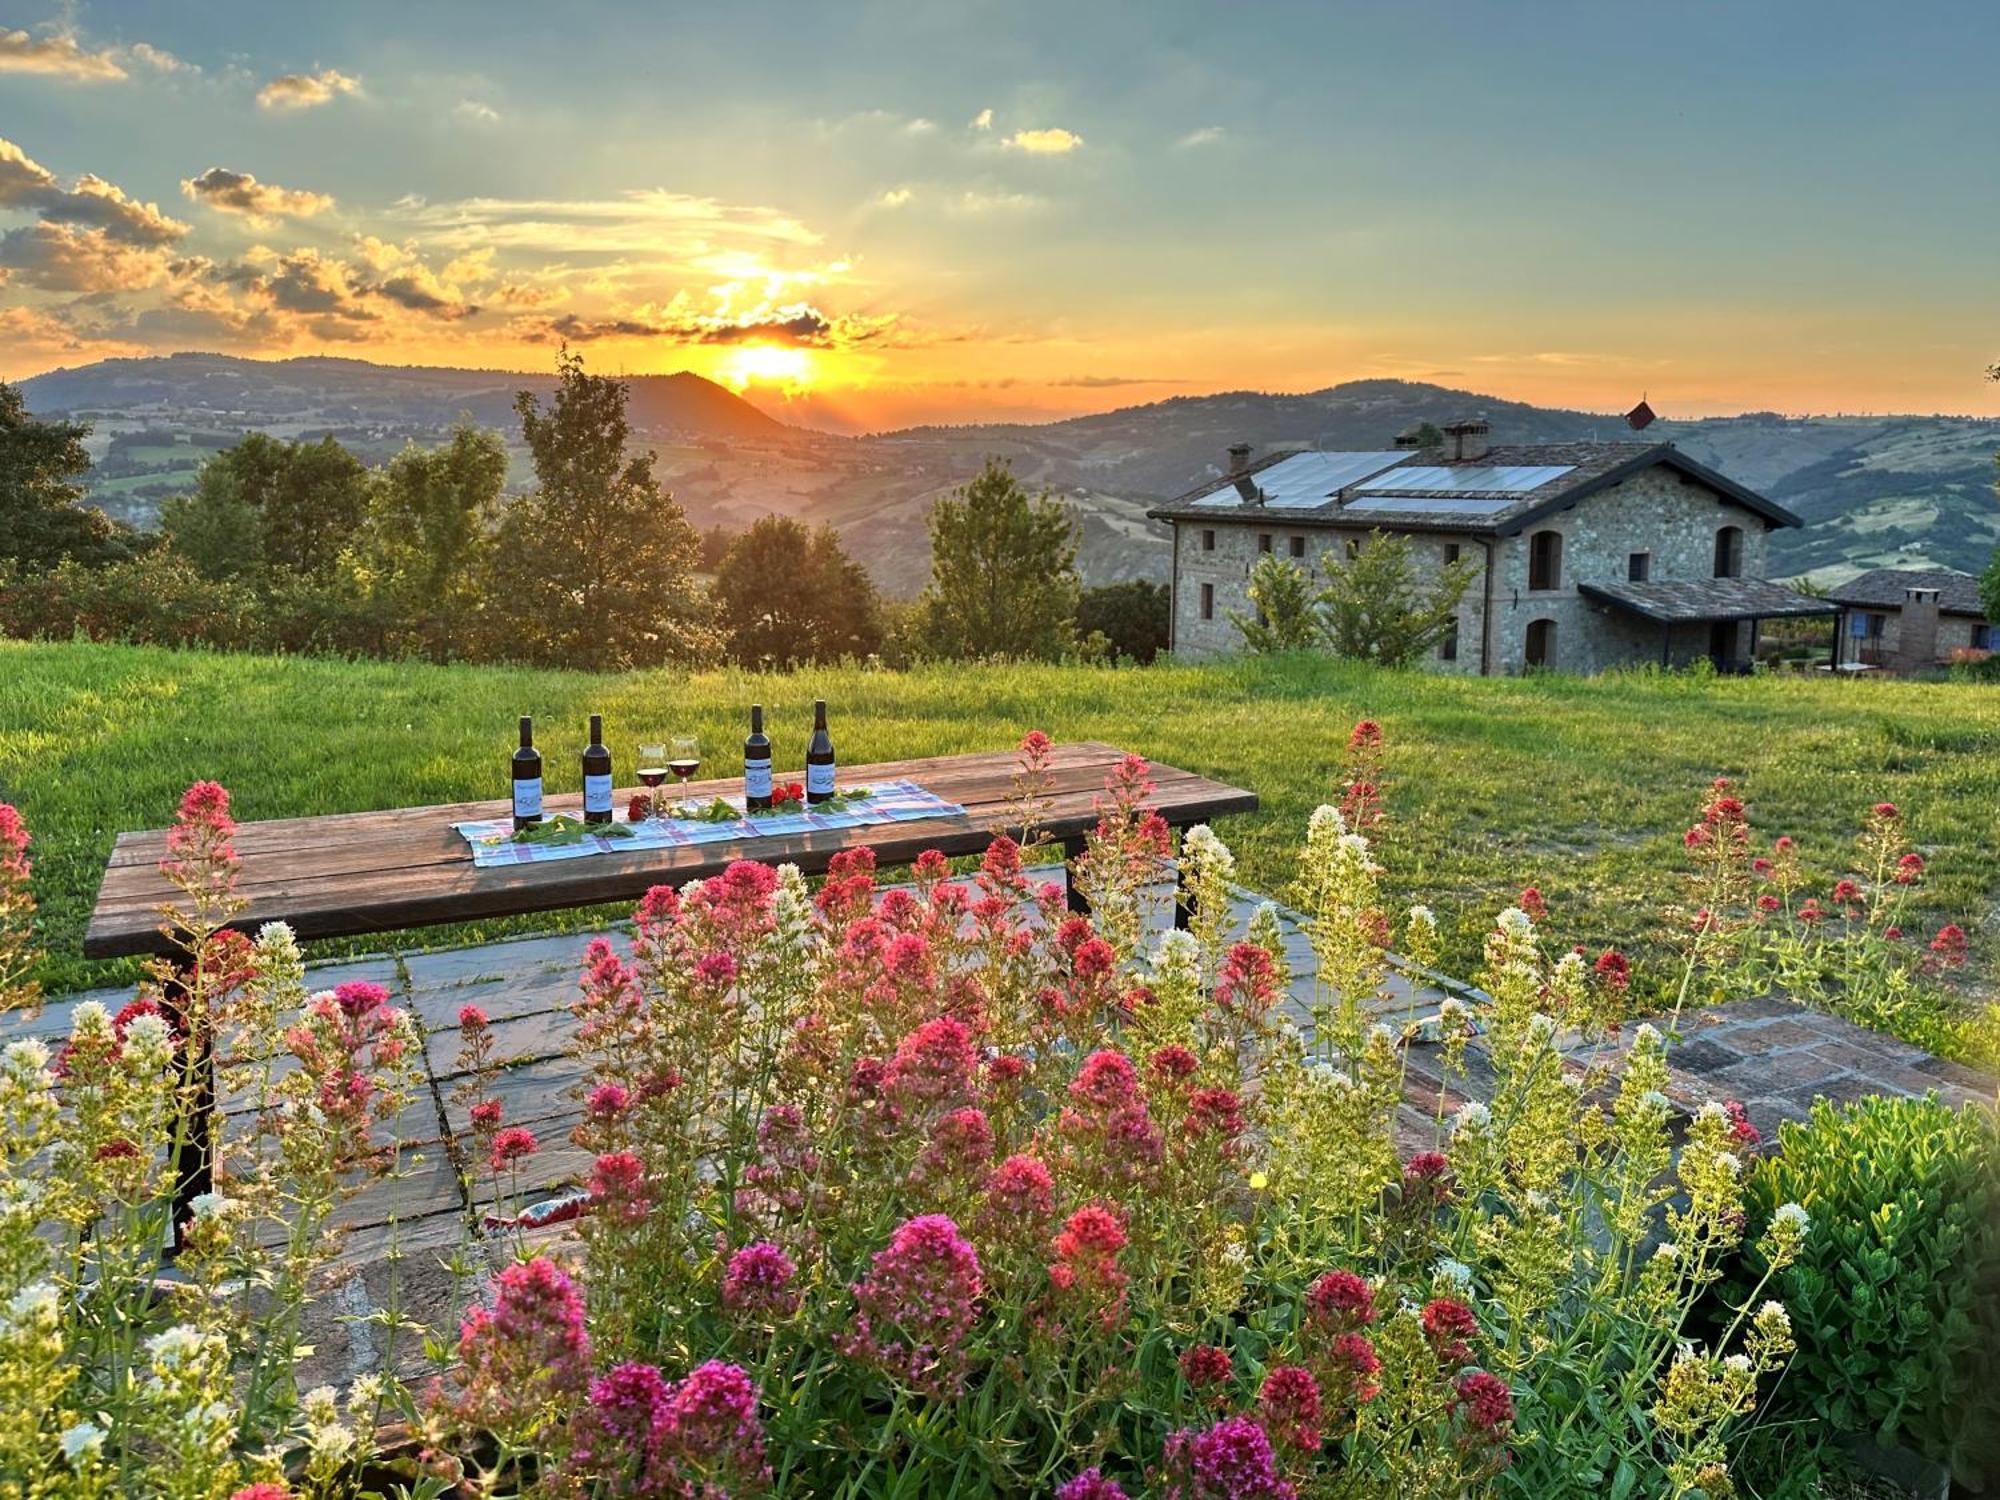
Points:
x=1954, y=633
x=1657, y=511
x=1239, y=543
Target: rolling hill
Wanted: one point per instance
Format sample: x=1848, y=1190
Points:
x=1874, y=491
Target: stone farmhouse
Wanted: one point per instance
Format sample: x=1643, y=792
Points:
x=1911, y=619
x=1589, y=555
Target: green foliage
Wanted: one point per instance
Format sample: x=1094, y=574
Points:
x=1288, y=610
x=1378, y=609
x=270, y=504
x=42, y=516
x=594, y=566
x=425, y=548
x=1003, y=573
x=1131, y=617
x=785, y=594
x=1896, y=1301
x=154, y=599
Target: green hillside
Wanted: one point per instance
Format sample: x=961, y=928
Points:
x=1579, y=786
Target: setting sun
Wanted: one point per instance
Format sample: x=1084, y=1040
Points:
x=768, y=364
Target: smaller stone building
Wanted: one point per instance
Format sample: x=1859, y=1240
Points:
x=1589, y=555
x=1911, y=619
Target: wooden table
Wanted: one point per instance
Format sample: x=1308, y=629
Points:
x=353, y=874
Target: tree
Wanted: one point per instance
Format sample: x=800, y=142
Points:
x=425, y=544
x=1131, y=617
x=785, y=594
x=1288, y=611
x=266, y=505
x=1426, y=434
x=1375, y=607
x=43, y=519
x=1003, y=572
x=594, y=566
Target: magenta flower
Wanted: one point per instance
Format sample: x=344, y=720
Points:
x=713, y=1430
x=916, y=1305
x=1091, y=1484
x=1486, y=1402
x=1107, y=1080
x=526, y=1351
x=759, y=1280
x=960, y=1148
x=1448, y=1323
x=618, y=1188
x=1340, y=1301
x=1230, y=1461
x=934, y=1065
x=516, y=1143
x=607, y=1101
x=618, y=1436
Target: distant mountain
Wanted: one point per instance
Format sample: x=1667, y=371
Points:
x=1874, y=491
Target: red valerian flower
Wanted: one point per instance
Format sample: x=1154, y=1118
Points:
x=607, y=1101
x=1289, y=1401
x=471, y=1018
x=618, y=1188
x=1846, y=892
x=1741, y=1130
x=1531, y=902
x=1107, y=1079
x=1091, y=1484
x=1215, y=1112
x=1340, y=1301
x=640, y=808
x=1950, y=946
x=1810, y=911
x=486, y=1114
x=1908, y=868
x=1886, y=811
x=530, y=1344
x=1205, y=1365
x=1230, y=1461
x=358, y=997
x=516, y=1143
x=1487, y=1403
x=618, y=1437
x=1087, y=1259
x=1351, y=1365
x=916, y=1305
x=1173, y=1063
x=262, y=1490
x=1447, y=1324
x=712, y=1428
x=759, y=1279
x=1615, y=969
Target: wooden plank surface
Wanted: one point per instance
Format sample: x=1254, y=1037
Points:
x=351, y=874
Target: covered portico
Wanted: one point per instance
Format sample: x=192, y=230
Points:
x=1721, y=606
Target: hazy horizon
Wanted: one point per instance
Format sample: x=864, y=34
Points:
x=865, y=218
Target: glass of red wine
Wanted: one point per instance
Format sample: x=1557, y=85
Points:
x=684, y=757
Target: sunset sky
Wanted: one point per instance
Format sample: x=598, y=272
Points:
x=942, y=211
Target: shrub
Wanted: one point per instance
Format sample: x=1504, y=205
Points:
x=1896, y=1300
x=1131, y=616
x=154, y=599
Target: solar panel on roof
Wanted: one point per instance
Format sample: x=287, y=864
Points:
x=1306, y=480
x=1426, y=505
x=1506, y=478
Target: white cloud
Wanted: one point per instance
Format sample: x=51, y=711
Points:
x=983, y=120
x=57, y=56
x=307, y=90
x=920, y=126
x=1208, y=135
x=975, y=203
x=242, y=194
x=1051, y=140
x=896, y=197
x=477, y=112
x=652, y=222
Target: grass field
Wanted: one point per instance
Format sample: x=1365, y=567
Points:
x=1579, y=786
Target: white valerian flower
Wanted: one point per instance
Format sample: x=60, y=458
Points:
x=1713, y=1113
x=1667, y=1251
x=366, y=1393
x=1454, y=1273
x=176, y=1346
x=1326, y=823
x=1792, y=1217
x=1654, y=1102
x=80, y=1439
x=1516, y=923
x=208, y=1206
x=1380, y=1035
x=1648, y=1035
x=149, y=1043
x=1422, y=916
x=1729, y=1162
x=1177, y=949
x=1740, y=1363
x=90, y=1022
x=36, y=1304
x=1235, y=1254
x=1541, y=1027
x=1354, y=845
x=25, y=1059
x=1201, y=848
x=1472, y=1115
x=320, y=1404
x=1772, y=1317
x=276, y=939
x=1451, y=1008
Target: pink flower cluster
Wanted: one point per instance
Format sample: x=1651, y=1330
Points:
x=527, y=1351
x=646, y=1438
x=759, y=1280
x=1233, y=1460
x=916, y=1306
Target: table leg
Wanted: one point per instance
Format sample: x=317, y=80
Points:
x=1072, y=852
x=194, y=1171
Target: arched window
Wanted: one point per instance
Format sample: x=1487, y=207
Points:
x=1541, y=652
x=1729, y=552
x=1545, y=560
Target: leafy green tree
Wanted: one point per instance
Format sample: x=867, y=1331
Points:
x=594, y=566
x=1989, y=582
x=1425, y=434
x=1003, y=572
x=786, y=594
x=427, y=541
x=265, y=505
x=1288, y=610
x=1375, y=606
x=1131, y=617
x=43, y=519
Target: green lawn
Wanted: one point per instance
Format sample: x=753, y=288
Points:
x=1580, y=786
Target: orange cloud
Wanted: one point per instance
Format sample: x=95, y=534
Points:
x=58, y=56
x=242, y=194
x=307, y=90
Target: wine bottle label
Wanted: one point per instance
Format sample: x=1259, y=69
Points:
x=819, y=781
x=597, y=794
x=756, y=778
x=528, y=797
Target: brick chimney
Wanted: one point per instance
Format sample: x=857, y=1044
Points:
x=1239, y=459
x=1467, y=438
x=1917, y=631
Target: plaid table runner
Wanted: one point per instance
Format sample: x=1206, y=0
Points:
x=887, y=802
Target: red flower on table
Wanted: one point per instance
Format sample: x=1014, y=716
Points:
x=788, y=794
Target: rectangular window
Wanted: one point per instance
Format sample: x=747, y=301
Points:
x=1451, y=550
x=1298, y=546
x=1263, y=541
x=1877, y=625
x=1208, y=541
x=1986, y=637
x=1448, y=647
x=1208, y=601
x=1353, y=548
x=1639, y=567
